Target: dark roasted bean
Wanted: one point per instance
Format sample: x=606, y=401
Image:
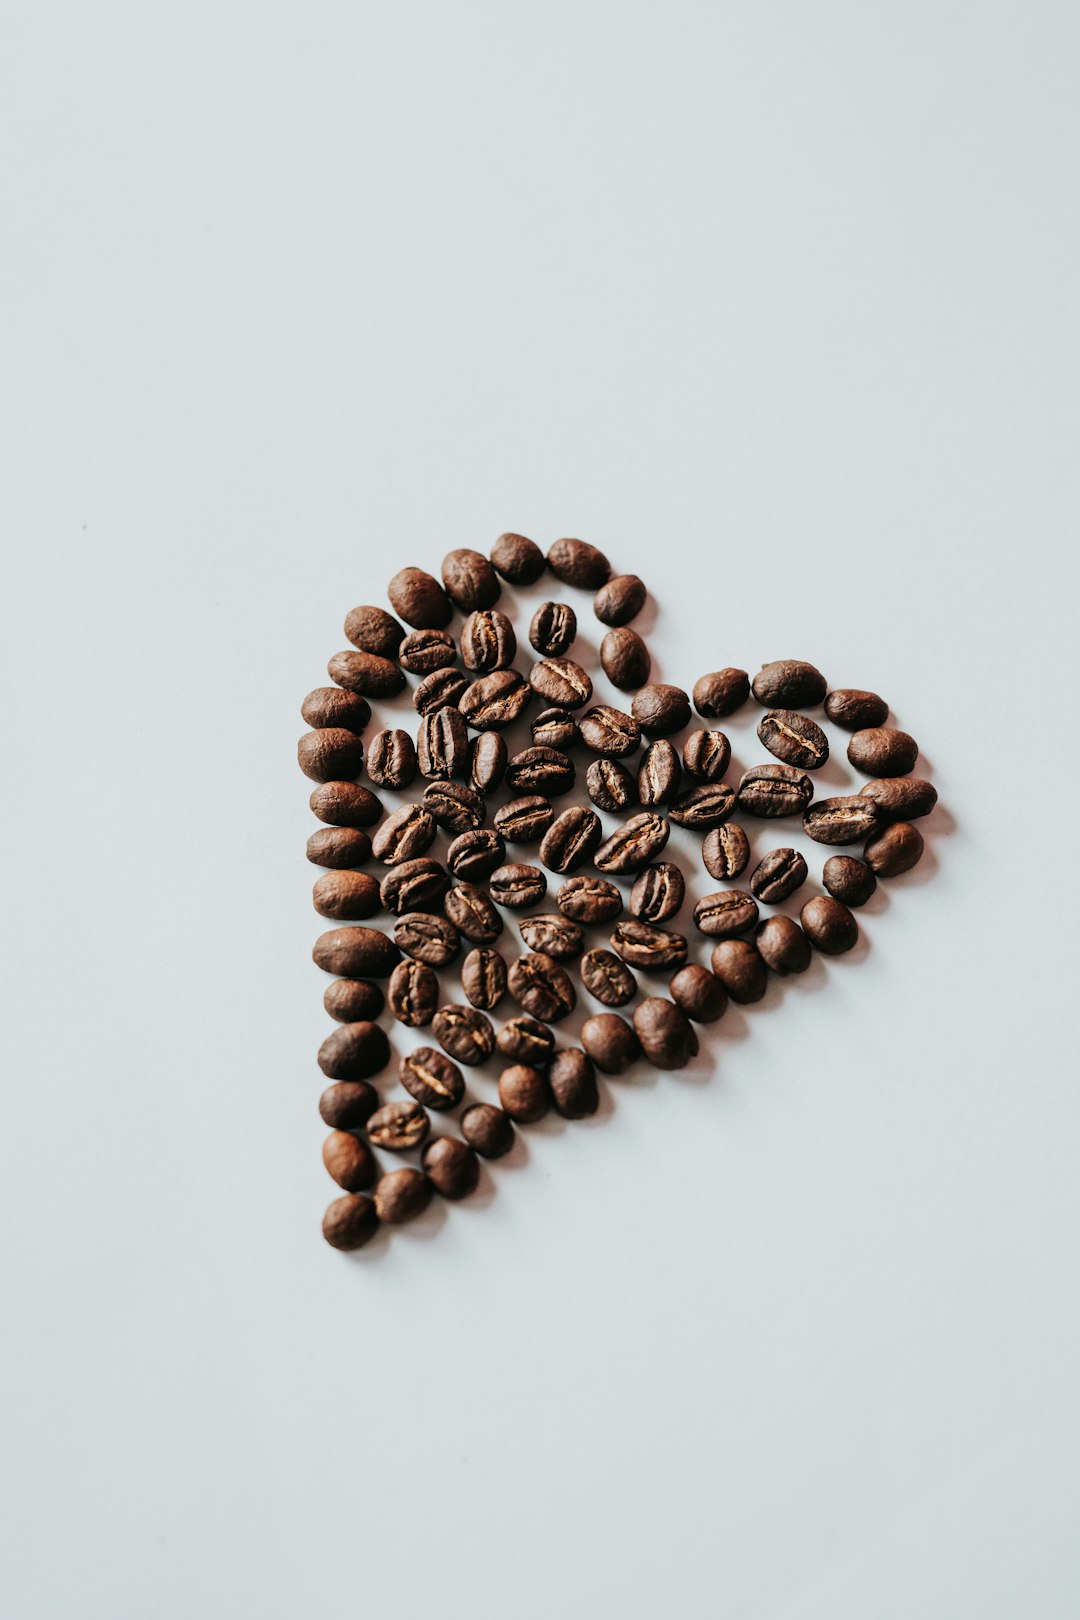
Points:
x=457, y=809
x=573, y=1083
x=355, y=953
x=517, y=885
x=524, y=1093
x=427, y=938
x=350, y=1222
x=442, y=689
x=413, y=994
x=777, y=875
x=367, y=674
x=611, y=1042
x=709, y=804
x=706, y=755
x=442, y=745
x=331, y=755
x=541, y=987
x=350, y=1000
x=465, y=1033
x=329, y=706
x=419, y=599
x=339, y=847
x=524, y=821
x=470, y=580
x=659, y=773
x=788, y=684
x=518, y=559
x=794, y=739
x=401, y=1195
x=578, y=563
x=725, y=851
x=658, y=892
x=346, y=896
x=721, y=693
x=526, y=1041
x=774, y=790
x=354, y=1051
x=607, y=978
x=483, y=978
x=374, y=630
x=625, y=659
x=571, y=839
x=699, y=993
x=426, y=650
x=561, y=681
x=842, y=820
x=829, y=925
x=740, y=967
x=620, y=600
x=488, y=641
x=853, y=709
x=450, y=1166
x=610, y=785
x=553, y=934
x=723, y=915
x=783, y=946
x=431, y=1078
x=661, y=709
x=495, y=700
x=541, y=770
x=848, y=879
x=404, y=835
x=668, y=1039
x=473, y=913
x=610, y=732
x=893, y=850
x=553, y=628
x=488, y=1130
x=898, y=798
x=391, y=759
x=653, y=950
x=347, y=1105
x=883, y=751
x=345, y=804
x=589, y=900
x=417, y=885
x=633, y=845
x=555, y=728
x=487, y=761
x=475, y=854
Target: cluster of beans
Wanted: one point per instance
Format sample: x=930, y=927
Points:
x=439, y=909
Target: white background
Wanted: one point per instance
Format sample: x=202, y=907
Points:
x=777, y=304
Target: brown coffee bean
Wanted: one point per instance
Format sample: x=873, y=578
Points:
x=345, y=804
x=699, y=993
x=611, y=1042
x=524, y=1093
x=661, y=709
x=794, y=739
x=416, y=885
x=561, y=681
x=350, y=1001
x=374, y=630
x=328, y=707
x=854, y=709
x=442, y=745
x=346, y=896
x=350, y=1161
x=842, y=820
x=777, y=876
x=725, y=851
x=366, y=673
x=496, y=700
x=419, y=599
x=571, y=839
x=405, y=834
x=723, y=915
x=398, y=1127
x=541, y=987
x=331, y=755
x=555, y=728
x=354, y=1052
x=610, y=732
x=526, y=1041
x=430, y=1077
x=474, y=854
x=487, y=761
x=633, y=845
x=900, y=798
x=488, y=1130
x=607, y=978
x=705, y=806
x=339, y=847
x=829, y=925
x=518, y=559
x=620, y=600
x=721, y=693
x=488, y=641
x=424, y=651
x=469, y=580
x=413, y=994
x=783, y=946
x=442, y=689
x=659, y=773
x=483, y=978
x=625, y=659
x=401, y=1196
x=553, y=628
x=355, y=953
x=578, y=563
x=651, y=950
x=706, y=755
x=668, y=1039
x=427, y=938
x=391, y=759
x=658, y=892
x=610, y=785
x=347, y=1105
x=882, y=751
x=848, y=880
x=589, y=900
x=774, y=790
x=740, y=967
x=457, y=809
x=452, y=1168
x=473, y=913
x=517, y=885
x=541, y=770
x=573, y=1084
x=553, y=934
x=894, y=849
x=350, y=1222
x=465, y=1033
x=789, y=684
x=524, y=821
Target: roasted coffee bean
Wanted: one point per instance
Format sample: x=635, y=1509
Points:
x=331, y=755
x=473, y=913
x=442, y=745
x=893, y=850
x=882, y=751
x=575, y=562
x=898, y=798
x=553, y=628
x=707, y=805
x=405, y=834
x=774, y=790
x=350, y=1222
x=452, y=1168
x=526, y=1041
x=427, y=938
x=777, y=875
x=571, y=839
x=541, y=770
x=706, y=755
x=723, y=915
x=483, y=978
x=658, y=892
x=661, y=709
x=625, y=659
x=417, y=885
x=346, y=896
x=561, y=681
x=350, y=1161
x=829, y=925
x=488, y=1130
x=725, y=851
x=659, y=773
x=488, y=641
x=398, y=1126
x=487, y=761
x=401, y=1195
x=517, y=885
x=589, y=900
x=355, y=953
x=354, y=1051
x=611, y=1042
x=351, y=1000
x=668, y=1039
x=524, y=1093
x=555, y=728
x=524, y=821
x=789, y=684
x=610, y=785
x=633, y=845
x=424, y=651
x=783, y=946
x=457, y=809
x=473, y=855
x=442, y=689
x=841, y=820
x=374, y=630
x=653, y=950
x=465, y=1033
x=470, y=581
x=345, y=804
x=391, y=759
x=339, y=847
x=419, y=599
x=573, y=1084
x=721, y=693
x=518, y=559
x=794, y=739
x=347, y=1105
x=413, y=994
x=699, y=993
x=541, y=987
x=328, y=707
x=740, y=967
x=854, y=709
x=495, y=700
x=366, y=673
x=430, y=1077
x=553, y=934
x=848, y=879
x=607, y=978
x=610, y=732
x=620, y=600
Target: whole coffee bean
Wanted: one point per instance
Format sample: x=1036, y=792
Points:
x=589, y=900
x=328, y=707
x=465, y=1033
x=575, y=562
x=518, y=559
x=661, y=709
x=789, y=684
x=483, y=978
x=524, y=1093
x=430, y=1077
x=346, y=896
x=352, y=1000
x=794, y=739
x=721, y=693
x=401, y=1196
x=417, y=885
x=652, y=950
x=350, y=1222
x=553, y=934
x=842, y=820
x=778, y=875
x=659, y=773
x=625, y=659
x=413, y=994
x=573, y=1084
x=473, y=913
x=487, y=761
x=398, y=1127
x=442, y=745
x=740, y=967
x=517, y=885
x=427, y=938
x=633, y=845
x=473, y=855
x=496, y=700
x=610, y=732
x=542, y=987
x=419, y=599
x=610, y=785
x=541, y=770
x=658, y=892
x=699, y=993
x=723, y=915
x=571, y=839
x=555, y=728
x=354, y=1052
x=339, y=847
x=470, y=580
x=524, y=821
x=620, y=600
x=331, y=755
x=345, y=804
x=424, y=651
x=405, y=834
x=829, y=925
x=347, y=1105
x=367, y=674
x=854, y=709
x=707, y=805
x=355, y=953
x=899, y=798
x=526, y=1041
x=607, y=978
x=488, y=1130
x=893, y=850
x=774, y=790
x=561, y=681
x=668, y=1039
x=391, y=759
x=553, y=628
x=374, y=630
x=783, y=946
x=452, y=1168
x=848, y=880
x=706, y=755
x=457, y=809
x=350, y=1161
x=442, y=689
x=882, y=751
x=610, y=1042
x=725, y=851
x=488, y=641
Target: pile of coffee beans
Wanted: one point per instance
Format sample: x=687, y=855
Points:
x=523, y=872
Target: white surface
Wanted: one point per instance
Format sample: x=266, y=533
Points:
x=778, y=305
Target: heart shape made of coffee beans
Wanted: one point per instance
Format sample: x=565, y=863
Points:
x=610, y=832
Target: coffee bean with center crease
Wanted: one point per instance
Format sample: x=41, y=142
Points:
x=658, y=892
x=541, y=770
x=487, y=761
x=589, y=900
x=704, y=806
x=424, y=651
x=401, y=1196
x=653, y=950
x=843, y=820
x=351, y=1000
x=893, y=850
x=829, y=925
x=488, y=641
x=524, y=1093
x=328, y=707
x=555, y=935
x=331, y=755
x=517, y=885
x=339, y=847
x=699, y=993
x=457, y=809
x=442, y=745
x=610, y=732
x=518, y=559
x=474, y=854
x=431, y=1078
x=345, y=804
x=442, y=689
x=578, y=563
x=346, y=896
x=374, y=630
x=354, y=1052
x=347, y=1105
x=625, y=659
x=419, y=599
x=417, y=885
x=541, y=987
x=473, y=913
x=721, y=693
x=794, y=738
x=571, y=839
x=495, y=700
x=350, y=1222
x=553, y=628
x=450, y=1166
x=355, y=953
x=572, y=1079
x=777, y=875
x=427, y=938
x=883, y=751
x=725, y=851
x=848, y=879
x=789, y=683
x=774, y=790
x=740, y=967
x=561, y=681
x=607, y=978
x=526, y=1041
x=391, y=759
x=706, y=755
x=899, y=798
x=404, y=835
x=465, y=1033
x=723, y=915
x=488, y=1130
x=470, y=581
x=853, y=709
x=366, y=673
x=483, y=978
x=555, y=728
x=783, y=946
x=661, y=709
x=633, y=845
x=620, y=600
x=668, y=1039
x=413, y=994
x=659, y=773
x=610, y=785
x=611, y=1042
x=524, y=821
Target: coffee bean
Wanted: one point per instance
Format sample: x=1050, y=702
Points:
x=405, y=834
x=633, y=845
x=652, y=950
x=555, y=728
x=625, y=659
x=354, y=1051
x=417, y=885
x=398, y=1127
x=893, y=850
x=561, y=681
x=783, y=946
x=524, y=1093
x=374, y=630
x=442, y=689
x=573, y=1084
x=457, y=809
x=347, y=1105
x=473, y=913
x=518, y=559
x=611, y=1042
x=725, y=851
x=427, y=938
x=607, y=978
x=853, y=709
x=542, y=987
x=345, y=804
x=721, y=693
x=575, y=562
x=328, y=707
x=391, y=759
x=553, y=628
x=442, y=745
x=658, y=892
x=488, y=1130
x=424, y=651
x=419, y=599
x=487, y=761
x=338, y=847
x=882, y=751
x=401, y=1196
x=331, y=755
x=470, y=580
x=661, y=709
x=517, y=885
x=659, y=773
x=723, y=915
x=794, y=738
x=465, y=1033
x=413, y=994
x=842, y=820
x=789, y=684
x=898, y=798
x=350, y=1222
x=429, y=1076
x=352, y=1000
x=541, y=770
x=367, y=674
x=473, y=855
x=778, y=875
x=699, y=993
x=483, y=978
x=740, y=967
x=524, y=821
x=829, y=925
x=346, y=896
x=571, y=839
x=350, y=1161
x=610, y=732
x=488, y=641
x=589, y=900
x=706, y=755
x=668, y=1039
x=451, y=1167
x=355, y=953
x=553, y=934
x=610, y=785
x=620, y=600
x=496, y=700
x=774, y=790
x=526, y=1041
x=707, y=805
x=848, y=880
